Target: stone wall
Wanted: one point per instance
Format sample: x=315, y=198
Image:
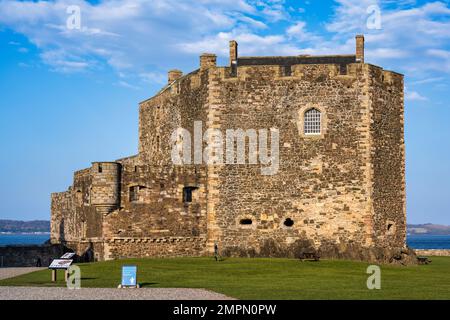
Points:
x=73, y=217
x=387, y=157
x=176, y=106
x=155, y=247
x=28, y=256
x=433, y=252
x=321, y=185
x=159, y=209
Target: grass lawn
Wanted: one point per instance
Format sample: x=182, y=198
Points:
x=265, y=278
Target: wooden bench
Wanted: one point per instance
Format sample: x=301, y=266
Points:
x=313, y=256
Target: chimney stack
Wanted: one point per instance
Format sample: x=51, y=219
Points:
x=360, y=48
x=233, y=53
x=174, y=75
x=207, y=60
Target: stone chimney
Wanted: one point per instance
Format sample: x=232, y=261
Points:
x=174, y=75
x=233, y=52
x=207, y=60
x=360, y=48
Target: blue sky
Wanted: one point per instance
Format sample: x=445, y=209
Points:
x=69, y=97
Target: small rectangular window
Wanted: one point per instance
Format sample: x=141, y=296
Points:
x=134, y=194
x=287, y=71
x=100, y=168
x=187, y=193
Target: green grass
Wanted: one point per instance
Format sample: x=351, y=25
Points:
x=265, y=278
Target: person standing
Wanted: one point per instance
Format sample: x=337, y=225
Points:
x=216, y=251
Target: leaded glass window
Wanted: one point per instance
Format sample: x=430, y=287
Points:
x=312, y=122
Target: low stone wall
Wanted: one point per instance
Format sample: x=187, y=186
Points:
x=155, y=247
x=29, y=256
x=433, y=252
x=341, y=251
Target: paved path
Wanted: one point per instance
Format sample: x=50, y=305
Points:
x=42, y=293
x=6, y=273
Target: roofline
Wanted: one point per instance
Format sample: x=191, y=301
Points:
x=376, y=66
x=300, y=56
x=167, y=86
x=126, y=158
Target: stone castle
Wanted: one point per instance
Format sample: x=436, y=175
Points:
x=339, y=190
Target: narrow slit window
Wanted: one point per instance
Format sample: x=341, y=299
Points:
x=246, y=222
x=287, y=71
x=313, y=122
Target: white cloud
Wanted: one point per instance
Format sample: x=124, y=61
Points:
x=414, y=96
x=428, y=80
x=299, y=32
x=127, y=85
x=387, y=53
x=62, y=61
x=154, y=78
x=249, y=44
x=444, y=54
x=145, y=38
x=407, y=33
x=128, y=35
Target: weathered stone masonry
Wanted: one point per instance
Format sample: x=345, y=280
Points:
x=341, y=191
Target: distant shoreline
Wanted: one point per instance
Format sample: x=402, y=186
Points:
x=24, y=233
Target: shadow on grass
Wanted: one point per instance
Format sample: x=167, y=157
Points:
x=147, y=284
x=221, y=259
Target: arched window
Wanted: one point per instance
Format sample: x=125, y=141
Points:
x=312, y=122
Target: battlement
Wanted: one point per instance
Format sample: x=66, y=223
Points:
x=293, y=60
x=302, y=67
x=288, y=61
x=279, y=66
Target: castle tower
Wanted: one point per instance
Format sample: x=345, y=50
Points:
x=105, y=191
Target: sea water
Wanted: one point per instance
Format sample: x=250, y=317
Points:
x=21, y=239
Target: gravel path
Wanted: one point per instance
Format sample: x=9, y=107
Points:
x=6, y=273
x=41, y=293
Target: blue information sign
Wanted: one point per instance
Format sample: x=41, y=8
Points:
x=129, y=276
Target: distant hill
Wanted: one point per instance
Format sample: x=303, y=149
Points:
x=429, y=229
x=14, y=226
